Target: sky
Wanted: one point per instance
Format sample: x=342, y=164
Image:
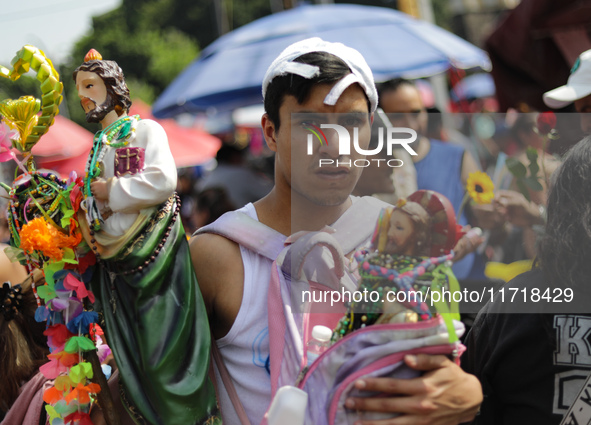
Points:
x=51, y=25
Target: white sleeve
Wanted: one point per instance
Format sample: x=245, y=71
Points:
x=156, y=182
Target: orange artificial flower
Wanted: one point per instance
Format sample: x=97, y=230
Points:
x=39, y=235
x=81, y=392
x=52, y=395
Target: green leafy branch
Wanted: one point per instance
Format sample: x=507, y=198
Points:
x=526, y=182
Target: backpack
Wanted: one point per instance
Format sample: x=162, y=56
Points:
x=306, y=265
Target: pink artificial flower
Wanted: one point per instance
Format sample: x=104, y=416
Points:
x=6, y=136
x=103, y=350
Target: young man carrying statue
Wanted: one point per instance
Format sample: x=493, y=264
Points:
x=319, y=79
x=154, y=316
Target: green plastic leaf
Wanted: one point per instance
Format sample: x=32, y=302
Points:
x=64, y=409
x=15, y=254
x=516, y=168
x=80, y=372
x=523, y=189
x=69, y=256
x=51, y=412
x=533, y=184
x=47, y=292
x=65, y=221
x=77, y=343
x=63, y=383
x=49, y=270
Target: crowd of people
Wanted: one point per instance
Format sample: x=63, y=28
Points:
x=522, y=365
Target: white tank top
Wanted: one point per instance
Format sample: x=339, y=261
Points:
x=245, y=349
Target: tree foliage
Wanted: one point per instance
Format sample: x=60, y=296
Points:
x=154, y=40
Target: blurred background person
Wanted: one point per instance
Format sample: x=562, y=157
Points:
x=242, y=184
x=23, y=348
x=210, y=204
x=442, y=167
x=526, y=215
x=533, y=361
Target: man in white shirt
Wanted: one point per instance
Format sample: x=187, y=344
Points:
x=315, y=78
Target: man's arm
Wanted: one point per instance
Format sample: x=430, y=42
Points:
x=220, y=274
x=444, y=395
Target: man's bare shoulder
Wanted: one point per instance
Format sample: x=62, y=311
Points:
x=220, y=275
x=209, y=246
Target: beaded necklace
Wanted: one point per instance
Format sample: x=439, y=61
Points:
x=123, y=131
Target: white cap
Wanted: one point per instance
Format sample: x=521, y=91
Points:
x=577, y=86
x=321, y=333
x=361, y=73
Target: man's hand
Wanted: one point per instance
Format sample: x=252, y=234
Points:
x=468, y=243
x=516, y=209
x=100, y=189
x=487, y=217
x=444, y=395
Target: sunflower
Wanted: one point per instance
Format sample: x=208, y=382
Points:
x=480, y=187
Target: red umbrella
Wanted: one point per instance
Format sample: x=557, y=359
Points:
x=189, y=146
x=64, y=148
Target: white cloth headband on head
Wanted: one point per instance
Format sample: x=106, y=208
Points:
x=338, y=89
x=301, y=69
x=360, y=72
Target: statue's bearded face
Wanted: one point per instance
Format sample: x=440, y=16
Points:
x=94, y=96
x=97, y=114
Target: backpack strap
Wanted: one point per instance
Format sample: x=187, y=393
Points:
x=248, y=232
x=254, y=235
x=228, y=383
x=289, y=265
x=295, y=256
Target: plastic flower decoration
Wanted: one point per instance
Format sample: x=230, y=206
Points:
x=46, y=236
x=7, y=135
x=21, y=115
x=38, y=235
x=480, y=188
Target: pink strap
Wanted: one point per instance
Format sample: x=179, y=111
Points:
x=277, y=327
x=228, y=383
x=248, y=232
x=305, y=244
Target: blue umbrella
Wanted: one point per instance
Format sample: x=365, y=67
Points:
x=229, y=72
